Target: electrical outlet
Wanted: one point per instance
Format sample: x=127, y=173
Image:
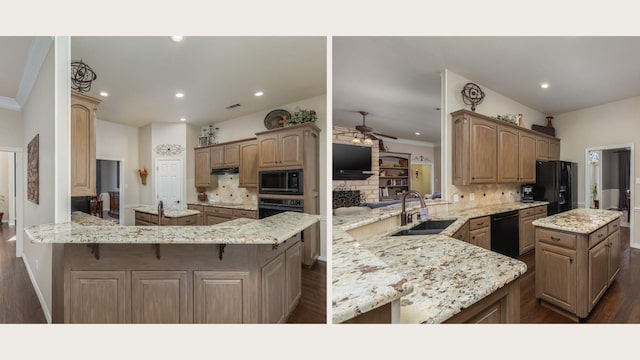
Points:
x=455, y=198
x=637, y=180
x=472, y=197
x=253, y=197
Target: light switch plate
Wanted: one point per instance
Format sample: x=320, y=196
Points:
x=637, y=180
x=472, y=196
x=455, y=198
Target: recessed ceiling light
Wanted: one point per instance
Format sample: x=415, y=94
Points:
x=183, y=119
x=417, y=133
x=104, y=93
x=259, y=93
x=544, y=85
x=177, y=38
x=179, y=95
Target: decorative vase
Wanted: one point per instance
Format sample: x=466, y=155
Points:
x=143, y=178
x=549, y=118
x=596, y=204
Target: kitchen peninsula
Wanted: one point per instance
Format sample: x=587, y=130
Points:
x=241, y=271
x=421, y=278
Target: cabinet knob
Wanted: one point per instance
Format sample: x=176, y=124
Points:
x=555, y=238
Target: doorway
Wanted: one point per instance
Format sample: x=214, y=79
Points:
x=108, y=186
x=422, y=178
x=608, y=178
x=169, y=182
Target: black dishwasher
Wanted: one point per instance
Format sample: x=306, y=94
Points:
x=504, y=233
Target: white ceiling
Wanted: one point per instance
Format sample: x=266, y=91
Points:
x=142, y=75
x=396, y=79
x=14, y=51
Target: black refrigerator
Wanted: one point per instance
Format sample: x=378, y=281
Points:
x=557, y=183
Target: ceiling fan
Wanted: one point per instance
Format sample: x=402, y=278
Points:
x=365, y=134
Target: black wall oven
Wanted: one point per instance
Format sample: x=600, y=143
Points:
x=268, y=207
x=283, y=182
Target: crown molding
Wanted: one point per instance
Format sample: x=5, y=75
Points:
x=409, y=142
x=37, y=53
x=9, y=104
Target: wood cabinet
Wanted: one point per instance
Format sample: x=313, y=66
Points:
x=488, y=151
x=83, y=144
x=526, y=229
x=146, y=219
x=227, y=155
x=463, y=233
x=293, y=259
x=274, y=294
x=281, y=147
x=248, y=176
x=161, y=297
x=480, y=232
x=221, y=297
x=573, y=271
x=203, y=168
x=98, y=297
x=394, y=179
x=554, y=149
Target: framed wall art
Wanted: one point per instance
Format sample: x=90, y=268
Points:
x=33, y=170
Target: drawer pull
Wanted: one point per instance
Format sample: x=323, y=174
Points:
x=480, y=224
x=555, y=238
x=599, y=236
x=570, y=260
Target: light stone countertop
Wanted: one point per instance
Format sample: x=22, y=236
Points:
x=87, y=229
x=168, y=212
x=435, y=276
x=225, y=205
x=580, y=221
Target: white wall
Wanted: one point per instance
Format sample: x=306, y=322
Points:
x=10, y=128
x=613, y=123
x=494, y=104
x=193, y=132
x=6, y=161
x=145, y=192
x=120, y=142
x=38, y=118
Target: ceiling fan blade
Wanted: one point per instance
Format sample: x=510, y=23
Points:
x=387, y=136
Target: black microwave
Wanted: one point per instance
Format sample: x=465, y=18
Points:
x=287, y=182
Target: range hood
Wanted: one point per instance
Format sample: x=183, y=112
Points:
x=222, y=171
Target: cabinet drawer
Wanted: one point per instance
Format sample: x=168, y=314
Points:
x=614, y=226
x=212, y=220
x=478, y=223
x=195, y=207
x=251, y=214
x=598, y=236
x=187, y=220
x=540, y=209
x=218, y=211
x=556, y=238
x=143, y=216
x=527, y=212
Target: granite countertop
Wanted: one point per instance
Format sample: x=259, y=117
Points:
x=82, y=229
x=226, y=205
x=445, y=274
x=581, y=221
x=168, y=212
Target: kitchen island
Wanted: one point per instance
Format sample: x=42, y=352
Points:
x=148, y=215
x=577, y=259
x=241, y=271
x=421, y=278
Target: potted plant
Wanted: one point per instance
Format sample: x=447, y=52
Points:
x=594, y=193
x=302, y=116
x=1, y=203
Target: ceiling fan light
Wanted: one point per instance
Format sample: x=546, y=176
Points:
x=355, y=139
x=368, y=141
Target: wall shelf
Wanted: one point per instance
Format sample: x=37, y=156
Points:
x=394, y=179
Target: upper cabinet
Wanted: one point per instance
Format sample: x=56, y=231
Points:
x=487, y=151
x=249, y=164
x=203, y=167
x=83, y=144
x=283, y=147
x=227, y=155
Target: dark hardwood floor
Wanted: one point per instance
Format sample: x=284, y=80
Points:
x=618, y=305
x=18, y=301
x=312, y=308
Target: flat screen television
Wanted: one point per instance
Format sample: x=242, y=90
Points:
x=351, y=162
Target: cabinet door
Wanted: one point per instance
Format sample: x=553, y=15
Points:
x=249, y=165
x=527, y=158
x=481, y=237
x=161, y=297
x=542, y=149
x=268, y=150
x=460, y=151
x=598, y=265
x=83, y=147
x=274, y=306
x=217, y=156
x=221, y=297
x=614, y=255
x=212, y=219
x=554, y=149
x=293, y=257
x=463, y=233
x=203, y=167
x=98, y=297
x=507, y=155
x=290, y=148
x=526, y=234
x=232, y=155
x=556, y=276
x=483, y=157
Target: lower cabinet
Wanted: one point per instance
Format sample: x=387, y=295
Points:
x=526, y=236
x=463, y=233
x=480, y=232
x=598, y=279
x=98, y=297
x=221, y=297
x=556, y=276
x=293, y=259
x=274, y=291
x=161, y=297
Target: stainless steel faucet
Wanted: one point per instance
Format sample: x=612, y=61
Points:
x=160, y=212
x=403, y=214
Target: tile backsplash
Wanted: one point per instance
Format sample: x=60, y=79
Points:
x=483, y=195
x=228, y=191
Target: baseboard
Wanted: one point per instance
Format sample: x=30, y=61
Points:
x=322, y=258
x=43, y=304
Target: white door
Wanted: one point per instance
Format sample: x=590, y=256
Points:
x=169, y=182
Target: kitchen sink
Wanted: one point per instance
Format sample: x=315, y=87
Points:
x=426, y=228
